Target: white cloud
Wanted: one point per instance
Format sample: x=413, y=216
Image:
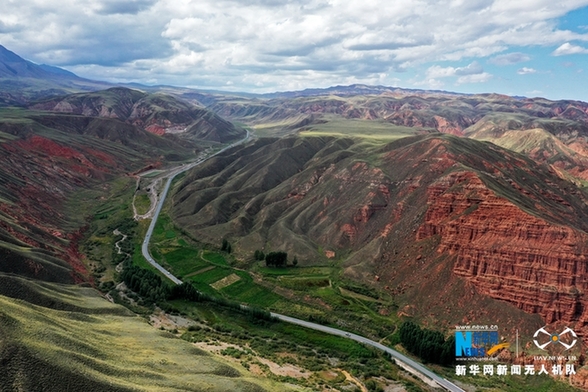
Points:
x=472, y=69
x=509, y=58
x=526, y=71
x=472, y=73
x=280, y=44
x=475, y=78
x=432, y=84
x=437, y=71
x=568, y=48
x=534, y=93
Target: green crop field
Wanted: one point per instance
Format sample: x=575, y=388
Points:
x=212, y=275
x=184, y=260
x=204, y=266
x=303, y=271
x=245, y=290
x=214, y=258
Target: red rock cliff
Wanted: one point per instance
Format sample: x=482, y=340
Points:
x=508, y=254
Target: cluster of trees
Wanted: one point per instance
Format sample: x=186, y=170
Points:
x=276, y=259
x=189, y=292
x=226, y=246
x=146, y=283
x=430, y=346
x=371, y=385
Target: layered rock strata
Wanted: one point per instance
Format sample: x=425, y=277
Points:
x=507, y=253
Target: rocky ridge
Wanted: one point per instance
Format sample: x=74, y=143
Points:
x=156, y=113
x=554, y=132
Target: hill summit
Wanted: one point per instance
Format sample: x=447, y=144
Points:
x=22, y=81
x=12, y=65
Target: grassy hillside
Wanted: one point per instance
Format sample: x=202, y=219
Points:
x=292, y=191
x=63, y=177
x=46, y=159
x=57, y=338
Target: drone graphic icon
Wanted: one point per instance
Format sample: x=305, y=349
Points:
x=554, y=338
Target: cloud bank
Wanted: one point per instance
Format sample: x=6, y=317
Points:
x=268, y=45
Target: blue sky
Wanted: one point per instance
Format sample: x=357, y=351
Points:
x=527, y=47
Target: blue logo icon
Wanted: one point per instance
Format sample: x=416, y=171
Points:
x=475, y=343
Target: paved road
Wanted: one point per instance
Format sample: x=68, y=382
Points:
x=172, y=175
x=402, y=360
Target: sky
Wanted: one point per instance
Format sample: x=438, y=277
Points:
x=523, y=47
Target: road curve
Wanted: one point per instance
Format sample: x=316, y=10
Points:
x=145, y=245
x=401, y=359
x=404, y=360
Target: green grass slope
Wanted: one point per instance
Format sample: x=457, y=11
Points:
x=59, y=338
x=61, y=173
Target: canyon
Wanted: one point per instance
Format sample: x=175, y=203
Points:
x=474, y=211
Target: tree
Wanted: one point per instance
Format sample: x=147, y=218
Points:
x=295, y=261
x=276, y=259
x=226, y=246
x=430, y=345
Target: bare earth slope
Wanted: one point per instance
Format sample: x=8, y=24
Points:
x=85, y=139
x=45, y=160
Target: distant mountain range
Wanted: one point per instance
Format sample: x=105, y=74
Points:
x=35, y=81
x=12, y=65
x=22, y=81
x=354, y=89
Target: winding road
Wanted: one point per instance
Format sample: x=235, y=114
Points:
x=172, y=174
x=402, y=360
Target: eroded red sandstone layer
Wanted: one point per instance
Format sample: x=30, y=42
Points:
x=507, y=253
